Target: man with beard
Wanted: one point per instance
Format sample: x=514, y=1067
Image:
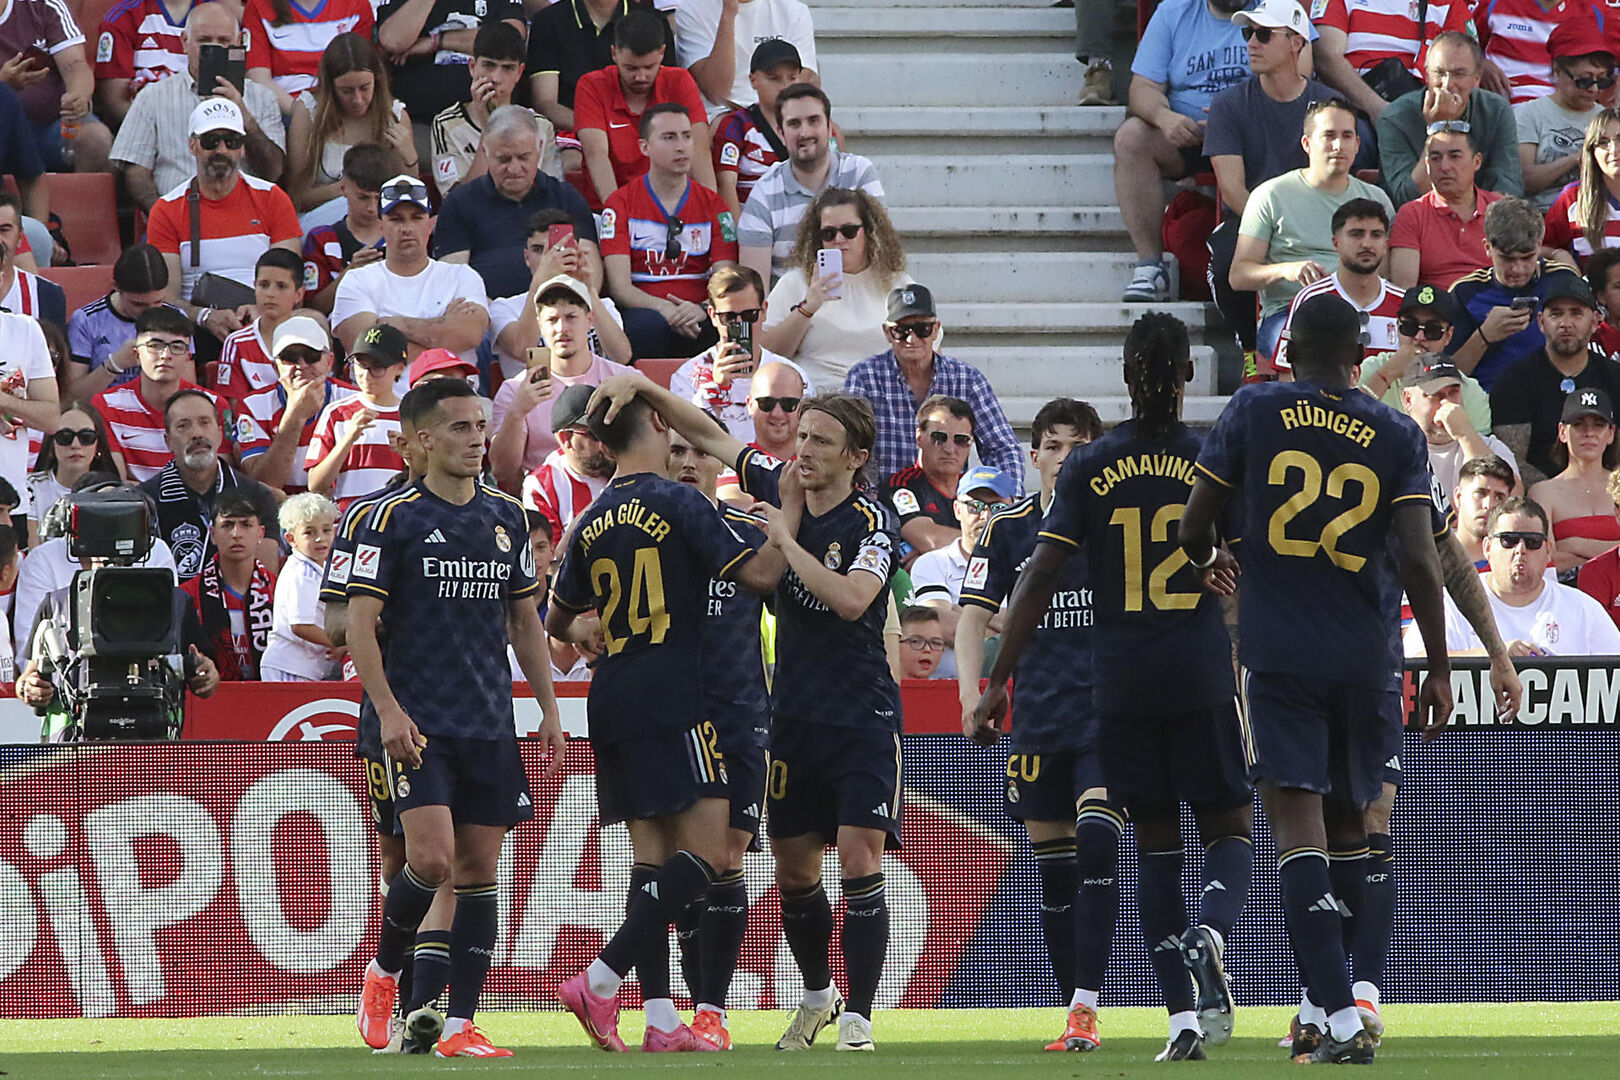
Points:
x=1528, y=399
x=575, y=473
x=1279, y=246
x=234, y=218
x=186, y=488
x=1361, y=238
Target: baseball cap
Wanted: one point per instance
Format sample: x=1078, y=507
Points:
x=566, y=283
x=569, y=410
x=215, y=114
x=300, y=330
x=1570, y=286
x=1275, y=15
x=1587, y=401
x=990, y=479
x=1433, y=297
x=910, y=300
x=403, y=189
x=1435, y=371
x=383, y=342
x=430, y=360
x=1576, y=37
x=774, y=53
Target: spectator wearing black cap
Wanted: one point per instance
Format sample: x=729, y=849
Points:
x=1551, y=128
x=574, y=474
x=1577, y=499
x=897, y=382
x=1497, y=321
x=748, y=140
x=1432, y=397
x=1423, y=324
x=1528, y=400
x=352, y=451
x=1441, y=236
x=714, y=40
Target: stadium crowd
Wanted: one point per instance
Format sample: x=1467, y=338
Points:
x=542, y=203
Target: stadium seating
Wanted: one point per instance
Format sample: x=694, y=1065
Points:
x=82, y=284
x=87, y=203
x=659, y=371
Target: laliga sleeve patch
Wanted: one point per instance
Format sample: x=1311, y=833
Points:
x=244, y=428
x=978, y=572
x=445, y=171
x=606, y=224
x=338, y=572
x=312, y=277
x=367, y=561
x=1318, y=9
x=104, y=47
x=905, y=502
x=729, y=154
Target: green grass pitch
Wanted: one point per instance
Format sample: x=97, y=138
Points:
x=1467, y=1042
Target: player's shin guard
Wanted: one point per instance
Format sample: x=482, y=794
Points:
x=409, y=898
x=1313, y=916
x=1376, y=924
x=652, y=957
x=687, y=940
x=472, y=945
x=1096, y=833
x=1228, y=869
x=1060, y=884
x=1347, y=873
x=1164, y=920
x=865, y=939
x=807, y=924
x=720, y=937
x=430, y=969
x=653, y=908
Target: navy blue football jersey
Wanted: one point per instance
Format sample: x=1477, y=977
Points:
x=830, y=670
x=1319, y=474
x=1052, y=684
x=643, y=555
x=1160, y=646
x=334, y=585
x=733, y=653
x=447, y=575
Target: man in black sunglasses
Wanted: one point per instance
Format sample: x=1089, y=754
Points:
x=923, y=496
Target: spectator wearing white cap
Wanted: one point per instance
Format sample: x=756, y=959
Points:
x=435, y=304
x=220, y=222
x=151, y=144
x=274, y=426
x=937, y=576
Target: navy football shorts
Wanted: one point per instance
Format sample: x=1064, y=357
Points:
x=1047, y=787
x=1152, y=764
x=746, y=749
x=379, y=794
x=1318, y=735
x=1395, y=718
x=637, y=779
x=480, y=780
x=822, y=777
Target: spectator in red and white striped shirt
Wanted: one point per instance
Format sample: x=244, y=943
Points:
x=245, y=363
x=1361, y=240
x=575, y=473
x=350, y=454
x=275, y=426
x=1514, y=35
x=1584, y=218
x=133, y=411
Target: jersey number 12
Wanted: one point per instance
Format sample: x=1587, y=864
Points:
x=1129, y=518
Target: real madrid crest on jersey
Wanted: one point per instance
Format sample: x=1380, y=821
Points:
x=834, y=557
x=502, y=540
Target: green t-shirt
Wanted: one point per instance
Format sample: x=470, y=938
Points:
x=1475, y=401
x=1295, y=222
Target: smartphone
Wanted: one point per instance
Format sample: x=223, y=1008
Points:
x=741, y=334
x=1523, y=303
x=830, y=261
x=560, y=234
x=221, y=61
x=538, y=362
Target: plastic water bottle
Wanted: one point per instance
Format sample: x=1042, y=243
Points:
x=70, y=135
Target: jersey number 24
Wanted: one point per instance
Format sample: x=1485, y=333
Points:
x=645, y=613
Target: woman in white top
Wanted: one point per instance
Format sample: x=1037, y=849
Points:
x=827, y=336
x=79, y=446
x=352, y=104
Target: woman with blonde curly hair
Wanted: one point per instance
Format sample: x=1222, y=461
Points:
x=351, y=105
x=1585, y=218
x=828, y=336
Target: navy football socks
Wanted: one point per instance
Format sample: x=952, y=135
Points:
x=1060, y=882
x=865, y=939
x=1164, y=920
x=720, y=937
x=807, y=923
x=472, y=945
x=409, y=898
x=1096, y=833
x=1314, y=916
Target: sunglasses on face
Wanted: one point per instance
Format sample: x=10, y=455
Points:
x=212, y=139
x=769, y=404
x=1602, y=82
x=921, y=331
x=939, y=438
x=924, y=644
x=747, y=315
x=672, y=240
x=1262, y=34
x=1431, y=331
x=829, y=233
x=85, y=437
x=979, y=506
x=1532, y=541
x=293, y=357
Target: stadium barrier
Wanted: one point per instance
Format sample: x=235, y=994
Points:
x=206, y=877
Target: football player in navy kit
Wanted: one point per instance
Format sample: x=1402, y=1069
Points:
x=711, y=930
x=1054, y=780
x=1335, y=494
x=644, y=555
x=449, y=553
x=835, y=742
x=1166, y=735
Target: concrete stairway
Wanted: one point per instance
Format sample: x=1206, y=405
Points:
x=1001, y=187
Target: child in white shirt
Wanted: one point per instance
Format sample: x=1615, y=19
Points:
x=299, y=650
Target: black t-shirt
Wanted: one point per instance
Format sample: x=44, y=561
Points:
x=186, y=518
x=429, y=84
x=564, y=40
x=1532, y=391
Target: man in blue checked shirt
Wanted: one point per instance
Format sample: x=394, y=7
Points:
x=898, y=381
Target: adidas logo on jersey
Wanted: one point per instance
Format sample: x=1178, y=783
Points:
x=1215, y=885
x=435, y=537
